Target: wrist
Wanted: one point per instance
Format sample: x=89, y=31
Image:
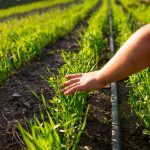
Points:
x=101, y=79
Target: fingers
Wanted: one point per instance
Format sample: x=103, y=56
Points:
x=71, y=81
x=73, y=84
x=71, y=76
x=73, y=89
x=69, y=87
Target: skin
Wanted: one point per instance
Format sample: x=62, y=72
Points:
x=131, y=58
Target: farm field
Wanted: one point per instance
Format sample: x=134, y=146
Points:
x=28, y=9
x=41, y=42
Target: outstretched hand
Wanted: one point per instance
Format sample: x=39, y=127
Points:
x=132, y=57
x=82, y=82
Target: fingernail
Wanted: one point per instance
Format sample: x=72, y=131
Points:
x=66, y=93
x=62, y=90
x=62, y=85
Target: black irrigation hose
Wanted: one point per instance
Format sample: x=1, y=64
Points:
x=114, y=97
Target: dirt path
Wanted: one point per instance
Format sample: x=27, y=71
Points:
x=97, y=135
x=131, y=127
x=17, y=101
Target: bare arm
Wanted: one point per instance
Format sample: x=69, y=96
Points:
x=132, y=57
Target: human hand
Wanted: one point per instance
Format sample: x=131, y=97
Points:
x=82, y=82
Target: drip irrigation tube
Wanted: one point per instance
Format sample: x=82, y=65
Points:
x=114, y=96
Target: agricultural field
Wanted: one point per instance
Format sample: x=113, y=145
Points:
x=41, y=41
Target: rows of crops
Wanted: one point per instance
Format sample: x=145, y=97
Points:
x=125, y=22
x=30, y=7
x=62, y=121
x=21, y=40
x=65, y=113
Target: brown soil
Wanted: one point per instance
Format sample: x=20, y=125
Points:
x=132, y=137
x=97, y=134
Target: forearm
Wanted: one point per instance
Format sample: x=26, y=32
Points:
x=132, y=57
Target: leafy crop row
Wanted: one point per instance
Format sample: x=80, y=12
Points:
x=121, y=25
x=140, y=82
x=28, y=7
x=125, y=24
x=66, y=118
x=139, y=12
x=21, y=39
